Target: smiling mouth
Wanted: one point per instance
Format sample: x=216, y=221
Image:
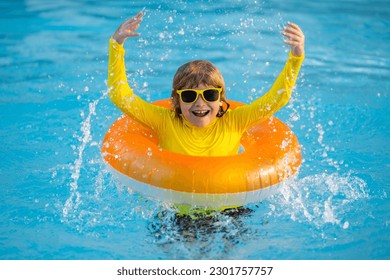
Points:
x=200, y=114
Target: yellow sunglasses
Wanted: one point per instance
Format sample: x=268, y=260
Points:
x=191, y=95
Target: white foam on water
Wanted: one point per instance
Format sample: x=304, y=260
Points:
x=319, y=199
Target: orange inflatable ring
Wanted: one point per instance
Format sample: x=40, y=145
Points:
x=271, y=154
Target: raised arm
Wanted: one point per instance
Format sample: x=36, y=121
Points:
x=119, y=90
x=281, y=90
x=117, y=80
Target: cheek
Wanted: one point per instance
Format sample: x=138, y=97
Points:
x=216, y=107
x=184, y=107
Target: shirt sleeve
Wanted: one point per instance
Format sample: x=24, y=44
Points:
x=277, y=97
x=123, y=96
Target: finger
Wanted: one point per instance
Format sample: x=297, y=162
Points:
x=289, y=31
x=140, y=13
x=294, y=31
x=293, y=25
x=134, y=34
x=293, y=43
x=292, y=37
x=131, y=25
x=136, y=18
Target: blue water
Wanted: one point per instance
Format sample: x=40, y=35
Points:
x=58, y=201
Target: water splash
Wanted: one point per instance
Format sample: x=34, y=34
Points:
x=74, y=199
x=319, y=199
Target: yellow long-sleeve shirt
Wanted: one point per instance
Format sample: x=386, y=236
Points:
x=222, y=136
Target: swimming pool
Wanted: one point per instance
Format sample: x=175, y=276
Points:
x=60, y=202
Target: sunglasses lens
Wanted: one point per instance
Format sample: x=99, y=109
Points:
x=211, y=95
x=188, y=96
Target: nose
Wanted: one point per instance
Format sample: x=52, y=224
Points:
x=200, y=101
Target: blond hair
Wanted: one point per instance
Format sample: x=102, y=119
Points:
x=195, y=73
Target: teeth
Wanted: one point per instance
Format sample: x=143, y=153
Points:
x=199, y=113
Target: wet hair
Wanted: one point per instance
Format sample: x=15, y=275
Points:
x=195, y=73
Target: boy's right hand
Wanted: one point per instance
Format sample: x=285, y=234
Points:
x=128, y=28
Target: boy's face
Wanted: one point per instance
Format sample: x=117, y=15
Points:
x=200, y=113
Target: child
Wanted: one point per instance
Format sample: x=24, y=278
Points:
x=199, y=123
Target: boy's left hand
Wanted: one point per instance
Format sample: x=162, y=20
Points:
x=295, y=38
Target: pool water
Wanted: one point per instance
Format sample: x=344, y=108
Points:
x=60, y=202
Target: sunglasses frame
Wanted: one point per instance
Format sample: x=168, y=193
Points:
x=198, y=92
